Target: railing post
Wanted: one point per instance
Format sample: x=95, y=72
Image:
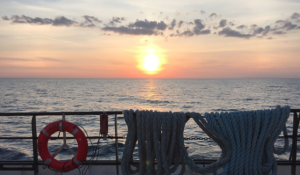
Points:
x=34, y=142
x=116, y=139
x=294, y=143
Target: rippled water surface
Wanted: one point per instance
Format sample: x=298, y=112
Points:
x=188, y=95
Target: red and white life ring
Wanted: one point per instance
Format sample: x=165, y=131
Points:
x=49, y=159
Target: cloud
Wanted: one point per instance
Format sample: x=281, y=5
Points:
x=180, y=23
x=145, y=24
x=149, y=25
x=131, y=31
x=5, y=18
x=258, y=31
x=269, y=38
x=202, y=12
x=279, y=32
x=203, y=32
x=282, y=26
x=172, y=25
x=63, y=21
x=58, y=21
x=161, y=25
x=198, y=26
x=228, y=32
x=197, y=30
x=186, y=33
x=287, y=25
x=222, y=23
x=28, y=20
x=266, y=30
x=139, y=28
x=295, y=16
x=241, y=27
x=118, y=19
x=213, y=15
x=90, y=21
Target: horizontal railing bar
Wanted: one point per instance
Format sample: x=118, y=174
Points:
x=295, y=110
x=113, y=162
x=74, y=113
x=91, y=137
x=59, y=113
x=54, y=138
x=17, y=169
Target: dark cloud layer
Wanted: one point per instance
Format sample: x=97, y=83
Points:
x=266, y=30
x=172, y=25
x=241, y=27
x=58, y=21
x=279, y=32
x=284, y=24
x=295, y=16
x=26, y=19
x=197, y=30
x=139, y=28
x=63, y=21
x=131, y=31
x=118, y=19
x=176, y=27
x=228, y=32
x=180, y=23
x=90, y=21
x=149, y=25
x=259, y=30
x=222, y=23
x=5, y=18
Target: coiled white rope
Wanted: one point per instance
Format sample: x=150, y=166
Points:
x=246, y=139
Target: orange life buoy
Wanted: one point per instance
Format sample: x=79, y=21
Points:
x=49, y=159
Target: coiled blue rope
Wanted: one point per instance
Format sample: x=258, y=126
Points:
x=245, y=138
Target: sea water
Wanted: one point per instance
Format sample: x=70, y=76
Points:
x=187, y=95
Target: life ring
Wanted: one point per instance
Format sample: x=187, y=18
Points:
x=49, y=160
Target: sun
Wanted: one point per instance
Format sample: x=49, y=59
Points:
x=151, y=63
x=151, y=59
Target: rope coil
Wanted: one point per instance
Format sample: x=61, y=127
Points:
x=245, y=138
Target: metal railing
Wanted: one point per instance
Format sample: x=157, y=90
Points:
x=33, y=165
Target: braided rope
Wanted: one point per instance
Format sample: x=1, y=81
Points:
x=245, y=138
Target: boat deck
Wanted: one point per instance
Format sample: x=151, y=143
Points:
x=291, y=166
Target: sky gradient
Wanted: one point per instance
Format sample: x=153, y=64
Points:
x=110, y=39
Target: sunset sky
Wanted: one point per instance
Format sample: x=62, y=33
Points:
x=149, y=39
